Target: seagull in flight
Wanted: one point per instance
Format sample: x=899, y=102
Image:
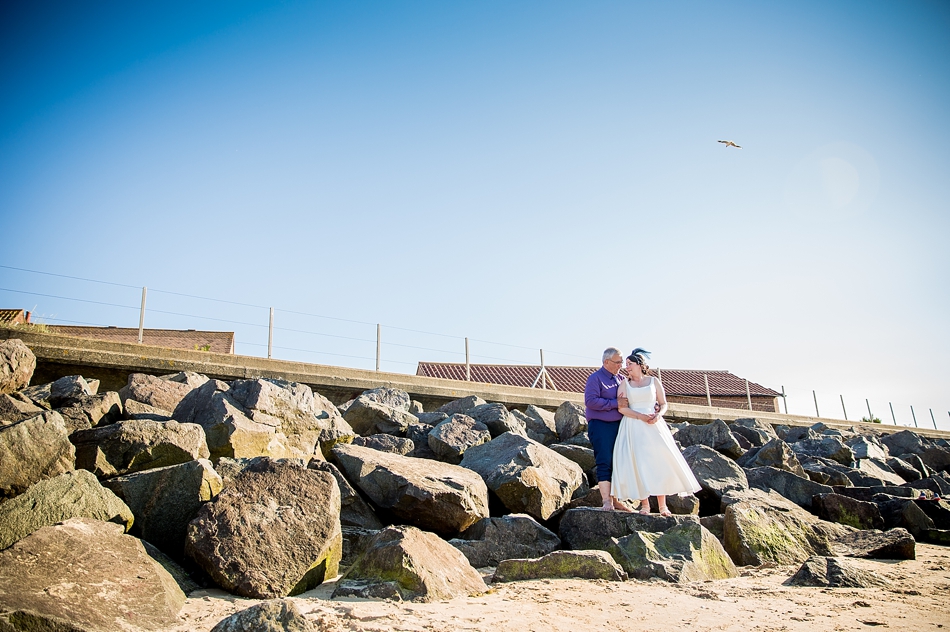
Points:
x=729, y=143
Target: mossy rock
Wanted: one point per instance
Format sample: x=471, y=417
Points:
x=684, y=553
x=562, y=565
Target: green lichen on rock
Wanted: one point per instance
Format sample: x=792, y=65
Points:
x=686, y=552
x=561, y=565
x=755, y=532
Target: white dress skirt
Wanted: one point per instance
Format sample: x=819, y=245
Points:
x=646, y=459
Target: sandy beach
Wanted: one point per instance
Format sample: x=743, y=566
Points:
x=918, y=598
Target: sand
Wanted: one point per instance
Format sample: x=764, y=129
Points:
x=918, y=599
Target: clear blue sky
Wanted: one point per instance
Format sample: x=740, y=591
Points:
x=537, y=174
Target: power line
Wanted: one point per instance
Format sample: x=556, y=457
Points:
x=67, y=298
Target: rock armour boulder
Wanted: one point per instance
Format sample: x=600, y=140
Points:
x=451, y=438
x=409, y=564
x=275, y=615
x=715, y=435
x=834, y=573
x=569, y=420
x=155, y=391
x=164, y=500
x=562, y=565
x=70, y=495
x=435, y=496
x=133, y=446
x=354, y=511
x=491, y=540
x=85, y=575
x=17, y=364
x=525, y=475
x=275, y=531
x=33, y=450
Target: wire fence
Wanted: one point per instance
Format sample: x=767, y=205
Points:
x=269, y=331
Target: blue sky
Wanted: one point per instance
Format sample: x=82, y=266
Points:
x=527, y=174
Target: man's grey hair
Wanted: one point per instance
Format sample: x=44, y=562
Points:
x=610, y=352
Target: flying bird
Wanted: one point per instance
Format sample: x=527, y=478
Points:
x=729, y=143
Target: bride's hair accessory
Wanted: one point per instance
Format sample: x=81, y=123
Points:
x=638, y=355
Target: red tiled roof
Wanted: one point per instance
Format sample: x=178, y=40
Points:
x=214, y=341
x=573, y=378
x=14, y=316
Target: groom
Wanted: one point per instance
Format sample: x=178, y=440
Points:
x=603, y=420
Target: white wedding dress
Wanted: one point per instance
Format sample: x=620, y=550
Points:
x=646, y=459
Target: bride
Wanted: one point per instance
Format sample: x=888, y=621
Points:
x=646, y=459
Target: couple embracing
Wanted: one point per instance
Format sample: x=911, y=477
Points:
x=634, y=449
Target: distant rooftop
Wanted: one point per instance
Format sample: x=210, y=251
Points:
x=677, y=382
x=190, y=339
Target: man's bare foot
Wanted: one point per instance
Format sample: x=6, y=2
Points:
x=607, y=506
x=619, y=506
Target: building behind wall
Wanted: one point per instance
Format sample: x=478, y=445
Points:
x=684, y=386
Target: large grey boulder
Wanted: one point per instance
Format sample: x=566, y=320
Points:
x=405, y=563
x=138, y=410
x=491, y=540
x=367, y=417
x=154, y=391
x=17, y=364
x=850, y=511
x=462, y=405
x=873, y=472
x=85, y=575
x=274, y=615
x=561, y=565
x=391, y=397
x=525, y=475
x=419, y=435
x=756, y=432
x=715, y=435
x=274, y=531
x=907, y=471
x=895, y=544
x=304, y=417
x=33, y=450
x=70, y=495
x=133, y=446
x=435, y=496
x=676, y=548
x=825, y=447
x=835, y=573
x=905, y=442
x=498, y=420
x=867, y=447
x=69, y=389
x=905, y=514
x=716, y=475
x=584, y=457
x=229, y=429
x=826, y=471
x=92, y=410
x=164, y=500
x=797, y=489
x=354, y=511
x=775, y=453
x=768, y=528
x=539, y=424
x=569, y=420
x=17, y=407
x=451, y=438
x=386, y=443
x=937, y=458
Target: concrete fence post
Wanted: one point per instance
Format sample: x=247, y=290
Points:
x=748, y=394
x=468, y=365
x=893, y=416
x=914, y=417
x=270, y=335
x=932, y=418
x=142, y=314
x=870, y=415
x=784, y=399
x=378, y=336
x=845, y=410
x=708, y=397
x=815, y=397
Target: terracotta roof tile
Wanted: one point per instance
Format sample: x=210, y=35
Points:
x=573, y=378
x=214, y=341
